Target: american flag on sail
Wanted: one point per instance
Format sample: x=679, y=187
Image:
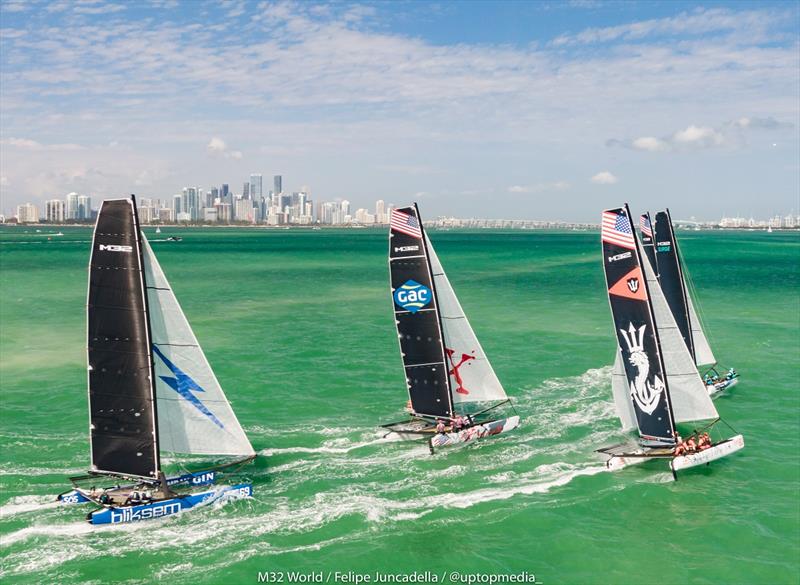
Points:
x=644, y=225
x=617, y=230
x=405, y=223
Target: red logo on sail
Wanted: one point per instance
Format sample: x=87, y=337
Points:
x=630, y=286
x=465, y=357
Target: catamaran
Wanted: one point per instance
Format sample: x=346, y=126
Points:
x=661, y=247
x=151, y=388
x=655, y=381
x=451, y=384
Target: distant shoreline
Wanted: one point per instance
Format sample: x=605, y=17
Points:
x=553, y=226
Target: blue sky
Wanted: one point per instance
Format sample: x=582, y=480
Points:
x=545, y=110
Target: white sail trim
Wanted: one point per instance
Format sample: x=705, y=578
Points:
x=471, y=375
x=190, y=420
x=688, y=394
x=622, y=394
x=702, y=349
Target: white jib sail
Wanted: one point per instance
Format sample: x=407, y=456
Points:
x=688, y=393
x=471, y=375
x=193, y=414
x=702, y=350
x=622, y=395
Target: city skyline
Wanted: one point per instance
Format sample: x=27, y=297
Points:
x=519, y=110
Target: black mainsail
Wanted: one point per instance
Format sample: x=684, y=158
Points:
x=124, y=433
x=416, y=314
x=646, y=395
x=670, y=276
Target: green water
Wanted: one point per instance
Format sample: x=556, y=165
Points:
x=298, y=327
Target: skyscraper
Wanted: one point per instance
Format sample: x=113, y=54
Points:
x=176, y=205
x=256, y=191
x=84, y=207
x=277, y=184
x=380, y=211
x=71, y=210
x=27, y=213
x=54, y=210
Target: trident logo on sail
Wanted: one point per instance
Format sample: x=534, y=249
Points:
x=645, y=394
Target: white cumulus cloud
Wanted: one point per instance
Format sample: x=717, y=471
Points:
x=217, y=147
x=604, y=178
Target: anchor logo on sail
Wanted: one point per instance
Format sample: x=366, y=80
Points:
x=465, y=357
x=645, y=394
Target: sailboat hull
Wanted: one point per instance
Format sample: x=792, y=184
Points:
x=168, y=507
x=708, y=455
x=714, y=389
x=475, y=432
x=196, y=479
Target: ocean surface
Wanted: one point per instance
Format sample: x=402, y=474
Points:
x=298, y=327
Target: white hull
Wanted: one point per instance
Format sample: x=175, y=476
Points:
x=708, y=455
x=714, y=389
x=623, y=460
x=475, y=432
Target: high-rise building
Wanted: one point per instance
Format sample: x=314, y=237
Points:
x=190, y=202
x=246, y=190
x=54, y=210
x=256, y=191
x=380, y=211
x=245, y=211
x=27, y=213
x=176, y=205
x=277, y=185
x=345, y=207
x=84, y=207
x=71, y=211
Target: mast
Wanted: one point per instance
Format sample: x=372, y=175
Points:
x=122, y=409
x=670, y=276
x=416, y=314
x=637, y=334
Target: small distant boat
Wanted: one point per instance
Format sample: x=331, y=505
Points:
x=661, y=248
x=174, y=239
x=655, y=382
x=769, y=229
x=151, y=388
x=450, y=382
x=158, y=229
